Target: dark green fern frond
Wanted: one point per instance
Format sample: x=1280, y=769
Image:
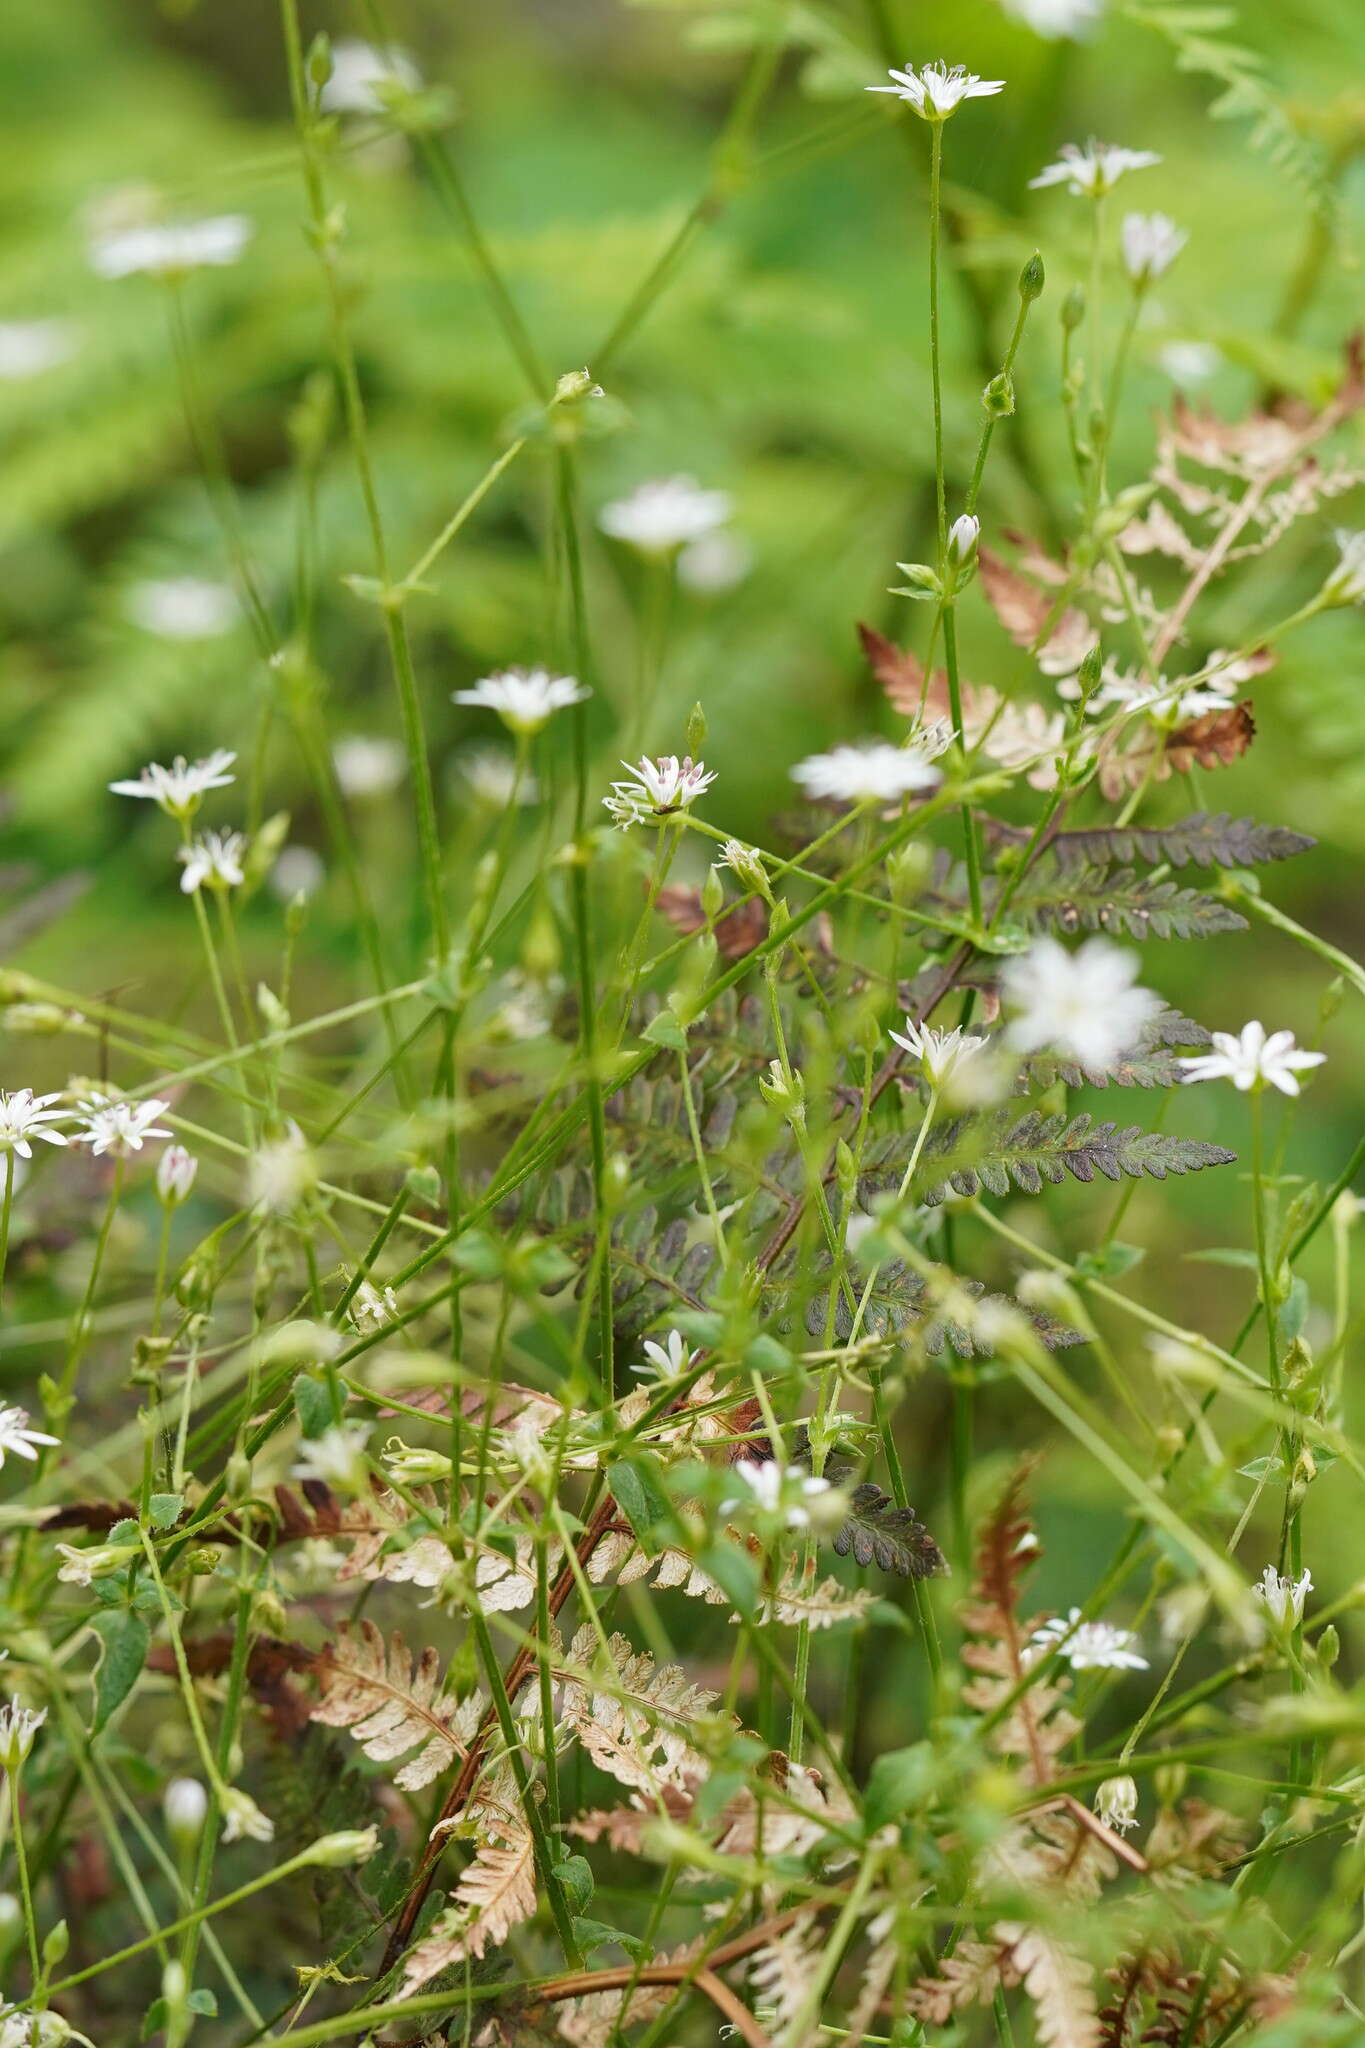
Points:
x=1097, y=899
x=1205, y=839
x=999, y=1151
x=896, y=1303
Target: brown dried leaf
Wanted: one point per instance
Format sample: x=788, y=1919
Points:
x=738, y=929
x=1023, y=610
x=1060, y=1985
x=392, y=1705
x=901, y=675
x=1214, y=740
x=495, y=1894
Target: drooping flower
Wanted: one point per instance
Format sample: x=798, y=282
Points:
x=176, y=1172
x=524, y=698
x=1150, y=242
x=1284, y=1597
x=118, y=1128
x=242, y=1817
x=18, y=1727
x=666, y=1360
x=940, y=1053
x=179, y=788
x=1084, y=1004
x=168, y=248
x=215, y=858
x=662, y=788
x=874, y=772
x=1088, y=1645
x=17, y=1439
x=24, y=1115
x=664, y=514
x=360, y=73
x=777, y=1492
x=368, y=764
x=1116, y=1804
x=1094, y=170
x=1055, y=19
x=337, y=1457
x=28, y=347
x=935, y=91
x=1252, y=1060
x=183, y=607
x=1346, y=584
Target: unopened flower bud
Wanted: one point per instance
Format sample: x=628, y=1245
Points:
x=1032, y=278
x=963, y=535
x=998, y=396
x=184, y=1805
x=1073, y=309
x=56, y=1942
x=412, y=1466
x=696, y=731
x=712, y=894
x=1170, y=1780
x=319, y=61
x=202, y=1561
x=347, y=1846
x=175, y=1175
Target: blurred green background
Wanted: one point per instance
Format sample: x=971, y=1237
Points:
x=784, y=360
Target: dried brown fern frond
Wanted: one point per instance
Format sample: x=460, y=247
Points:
x=495, y=1893
x=1059, y=1985
x=634, y=1720
x=391, y=1704
x=782, y=1971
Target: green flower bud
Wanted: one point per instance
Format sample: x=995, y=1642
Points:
x=1073, y=309
x=1032, y=278
x=347, y=1846
x=998, y=396
x=319, y=61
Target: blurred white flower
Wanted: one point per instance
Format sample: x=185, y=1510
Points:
x=1087, y=1645
x=168, y=248
x=490, y=774
x=524, y=698
x=1094, y=170
x=179, y=788
x=775, y=1491
x=368, y=764
x=182, y=607
x=281, y=1172
x=1346, y=584
x=1150, y=242
x=299, y=871
x=184, y=1805
x=935, y=91
x=24, y=1115
x=118, y=1128
x=373, y=1308
x=17, y=1439
x=1251, y=1059
x=176, y=1172
x=1190, y=362
x=1116, y=1804
x=360, y=71
x=939, y=1053
x=215, y=858
x=337, y=1457
x=663, y=787
x=664, y=514
x=874, y=772
x=1284, y=1597
x=714, y=562
x=28, y=347
x=1056, y=19
x=1083, y=1004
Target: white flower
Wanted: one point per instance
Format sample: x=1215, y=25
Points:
x=16, y=1438
x=361, y=71
x=1151, y=242
x=118, y=1128
x=744, y=862
x=1116, y=1803
x=1252, y=1058
x=524, y=698
x=963, y=535
x=935, y=91
x=663, y=787
x=1346, y=584
x=215, y=858
x=368, y=765
x=337, y=1457
x=664, y=514
x=282, y=1172
x=242, y=1817
x=666, y=1360
x=18, y=1726
x=176, y=1171
x=1094, y=170
x=1190, y=362
x=775, y=1491
x=491, y=776
x=299, y=871
x=28, y=347
x=183, y=607
x=372, y=1309
x=166, y=249
x=1083, y=1005
x=715, y=561
x=1088, y=1645
x=24, y=1115
x=939, y=1053
x=179, y=788
x=875, y=772
x=1283, y=1597
x=1055, y=18
x=21, y=2027
x=184, y=1805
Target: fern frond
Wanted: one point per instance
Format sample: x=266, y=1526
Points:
x=495, y=1893
x=877, y=1532
x=633, y=1720
x=1205, y=839
x=996, y=1153
x=824, y=1604
x=392, y=1705
x=782, y=1971
x=1096, y=899
x=1059, y=1984
x=1153, y=1064
x=897, y=1302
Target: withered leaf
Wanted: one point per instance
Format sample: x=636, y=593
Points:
x=1214, y=740
x=1023, y=609
x=738, y=930
x=901, y=675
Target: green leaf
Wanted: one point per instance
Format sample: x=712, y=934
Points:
x=313, y=1404
x=877, y=1532
x=124, y=1639
x=664, y=1029
x=574, y=1875
x=165, y=1509
x=204, y=2002
x=641, y=1499
x=900, y=1781
x=1110, y=1262
x=999, y=1150
x=595, y=1934
x=735, y=1572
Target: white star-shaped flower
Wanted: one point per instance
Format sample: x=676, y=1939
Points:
x=666, y=1360
x=24, y=1115
x=940, y=1053
x=524, y=698
x=1252, y=1059
x=1094, y=170
x=118, y=1128
x=1346, y=584
x=1083, y=1005
x=17, y=1439
x=875, y=772
x=178, y=789
x=936, y=90
x=362, y=73
x=1284, y=1597
x=775, y=1491
x=215, y=858
x=169, y=248
x=1150, y=243
x=662, y=788
x=1088, y=1645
